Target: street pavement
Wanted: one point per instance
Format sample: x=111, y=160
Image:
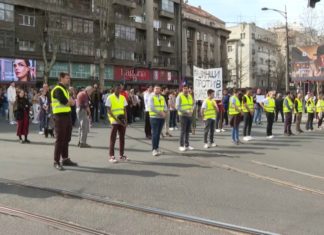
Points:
x=274, y=185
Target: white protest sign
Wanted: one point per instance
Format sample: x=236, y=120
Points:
x=205, y=79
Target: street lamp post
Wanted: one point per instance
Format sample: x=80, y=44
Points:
x=284, y=14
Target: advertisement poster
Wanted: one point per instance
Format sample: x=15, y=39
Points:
x=205, y=79
x=308, y=63
x=17, y=70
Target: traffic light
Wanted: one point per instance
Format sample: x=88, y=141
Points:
x=312, y=3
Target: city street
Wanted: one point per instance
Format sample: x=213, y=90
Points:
x=271, y=185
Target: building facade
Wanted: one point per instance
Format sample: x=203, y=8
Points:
x=142, y=45
x=254, y=58
x=203, y=42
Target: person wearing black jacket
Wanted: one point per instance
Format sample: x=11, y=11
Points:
x=22, y=116
x=279, y=109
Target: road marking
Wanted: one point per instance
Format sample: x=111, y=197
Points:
x=287, y=169
x=273, y=180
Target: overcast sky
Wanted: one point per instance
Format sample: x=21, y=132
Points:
x=250, y=10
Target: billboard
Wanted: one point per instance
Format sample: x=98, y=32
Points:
x=308, y=63
x=18, y=70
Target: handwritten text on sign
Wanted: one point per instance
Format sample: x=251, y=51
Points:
x=205, y=79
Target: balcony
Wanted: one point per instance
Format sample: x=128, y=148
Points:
x=138, y=25
x=166, y=32
x=167, y=49
x=167, y=14
x=125, y=3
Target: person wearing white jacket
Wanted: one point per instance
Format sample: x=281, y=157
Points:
x=11, y=94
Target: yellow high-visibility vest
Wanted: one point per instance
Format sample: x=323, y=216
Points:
x=270, y=106
x=290, y=105
x=210, y=111
x=320, y=106
x=186, y=103
x=159, y=104
x=249, y=103
x=231, y=109
x=299, y=106
x=117, y=107
x=310, y=105
x=57, y=107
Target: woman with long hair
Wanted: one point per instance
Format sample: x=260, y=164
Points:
x=22, y=70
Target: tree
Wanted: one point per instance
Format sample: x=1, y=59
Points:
x=103, y=11
x=51, y=38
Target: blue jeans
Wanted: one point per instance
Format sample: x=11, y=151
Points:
x=257, y=115
x=235, y=134
x=156, y=125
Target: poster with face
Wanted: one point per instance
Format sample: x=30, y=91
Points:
x=18, y=70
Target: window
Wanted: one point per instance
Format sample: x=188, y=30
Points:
x=242, y=35
x=205, y=37
x=26, y=45
x=198, y=36
x=156, y=24
x=123, y=54
x=229, y=48
x=171, y=27
x=66, y=22
x=87, y=26
x=27, y=20
x=6, y=39
x=168, y=5
x=77, y=25
x=189, y=33
x=6, y=12
x=125, y=32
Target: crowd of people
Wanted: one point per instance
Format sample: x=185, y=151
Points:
x=57, y=109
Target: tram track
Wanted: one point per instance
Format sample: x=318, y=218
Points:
x=119, y=204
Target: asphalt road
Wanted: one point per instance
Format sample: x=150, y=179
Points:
x=274, y=185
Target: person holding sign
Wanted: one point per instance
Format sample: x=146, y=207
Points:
x=248, y=112
x=235, y=112
x=209, y=112
x=185, y=107
x=269, y=106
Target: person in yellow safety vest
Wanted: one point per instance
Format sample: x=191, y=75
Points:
x=209, y=111
x=248, y=113
x=185, y=106
x=157, y=111
x=269, y=106
x=288, y=107
x=299, y=111
x=320, y=111
x=235, y=112
x=310, y=107
x=116, y=108
x=61, y=107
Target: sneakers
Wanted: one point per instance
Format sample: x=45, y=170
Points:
x=112, y=159
x=68, y=162
x=214, y=145
x=206, y=146
x=13, y=123
x=182, y=149
x=270, y=137
x=123, y=158
x=223, y=130
x=218, y=130
x=155, y=153
x=58, y=166
x=190, y=148
x=82, y=145
x=41, y=133
x=171, y=129
x=246, y=138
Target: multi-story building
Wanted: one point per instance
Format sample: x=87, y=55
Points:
x=203, y=41
x=142, y=45
x=253, y=57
